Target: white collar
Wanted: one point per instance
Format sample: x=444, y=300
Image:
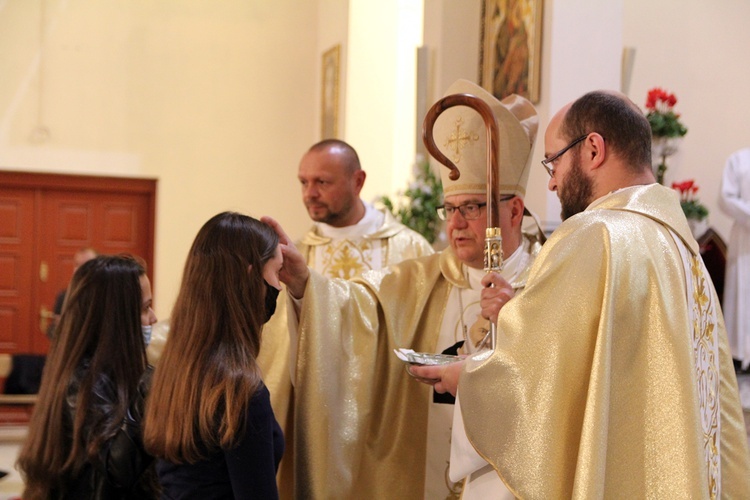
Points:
x=369, y=223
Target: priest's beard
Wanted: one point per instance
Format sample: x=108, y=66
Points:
x=575, y=194
x=334, y=216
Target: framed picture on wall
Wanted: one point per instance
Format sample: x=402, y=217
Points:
x=510, y=54
x=330, y=94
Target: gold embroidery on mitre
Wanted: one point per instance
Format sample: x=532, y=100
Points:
x=459, y=139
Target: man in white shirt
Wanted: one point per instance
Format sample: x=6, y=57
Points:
x=734, y=200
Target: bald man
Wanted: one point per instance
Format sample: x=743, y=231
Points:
x=348, y=237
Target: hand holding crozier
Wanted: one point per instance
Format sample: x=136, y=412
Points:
x=495, y=295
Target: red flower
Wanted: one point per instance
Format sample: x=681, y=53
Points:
x=657, y=96
x=687, y=191
x=654, y=95
x=688, y=185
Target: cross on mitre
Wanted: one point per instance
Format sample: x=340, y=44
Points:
x=459, y=139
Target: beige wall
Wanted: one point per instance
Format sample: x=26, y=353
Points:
x=451, y=35
x=213, y=98
x=333, y=29
x=219, y=99
x=380, y=107
x=699, y=51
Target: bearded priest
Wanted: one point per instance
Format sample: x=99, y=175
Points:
x=612, y=375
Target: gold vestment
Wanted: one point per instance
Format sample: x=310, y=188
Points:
x=398, y=243
x=360, y=420
x=592, y=392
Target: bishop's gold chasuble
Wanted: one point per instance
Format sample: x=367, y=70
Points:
x=361, y=423
x=606, y=381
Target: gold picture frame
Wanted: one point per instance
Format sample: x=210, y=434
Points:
x=329, y=109
x=511, y=49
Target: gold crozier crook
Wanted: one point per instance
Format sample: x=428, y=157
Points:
x=493, y=250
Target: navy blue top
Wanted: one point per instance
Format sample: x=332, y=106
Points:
x=246, y=471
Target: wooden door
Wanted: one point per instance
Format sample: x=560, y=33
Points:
x=44, y=220
x=16, y=284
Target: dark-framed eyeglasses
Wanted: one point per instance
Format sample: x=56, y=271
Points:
x=547, y=161
x=469, y=211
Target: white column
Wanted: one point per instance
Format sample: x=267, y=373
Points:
x=582, y=51
x=380, y=102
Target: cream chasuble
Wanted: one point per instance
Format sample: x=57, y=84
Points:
x=348, y=253
x=361, y=423
x=594, y=390
x=375, y=242
x=378, y=240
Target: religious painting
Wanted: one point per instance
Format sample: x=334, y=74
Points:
x=330, y=94
x=510, y=54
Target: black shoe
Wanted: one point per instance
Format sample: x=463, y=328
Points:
x=738, y=368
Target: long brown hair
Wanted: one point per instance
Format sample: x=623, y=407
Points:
x=207, y=373
x=99, y=339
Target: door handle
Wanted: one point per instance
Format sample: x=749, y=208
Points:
x=45, y=315
x=43, y=271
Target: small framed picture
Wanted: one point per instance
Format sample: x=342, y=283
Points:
x=511, y=49
x=330, y=93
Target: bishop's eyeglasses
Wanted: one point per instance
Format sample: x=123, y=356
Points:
x=547, y=161
x=469, y=211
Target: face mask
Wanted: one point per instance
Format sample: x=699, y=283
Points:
x=146, y=330
x=272, y=294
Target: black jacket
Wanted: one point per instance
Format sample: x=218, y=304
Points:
x=122, y=469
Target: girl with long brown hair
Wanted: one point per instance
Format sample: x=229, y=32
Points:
x=208, y=417
x=84, y=436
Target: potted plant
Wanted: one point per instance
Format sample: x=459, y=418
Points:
x=695, y=212
x=666, y=128
x=416, y=207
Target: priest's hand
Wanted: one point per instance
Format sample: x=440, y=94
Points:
x=495, y=295
x=444, y=378
x=294, y=272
